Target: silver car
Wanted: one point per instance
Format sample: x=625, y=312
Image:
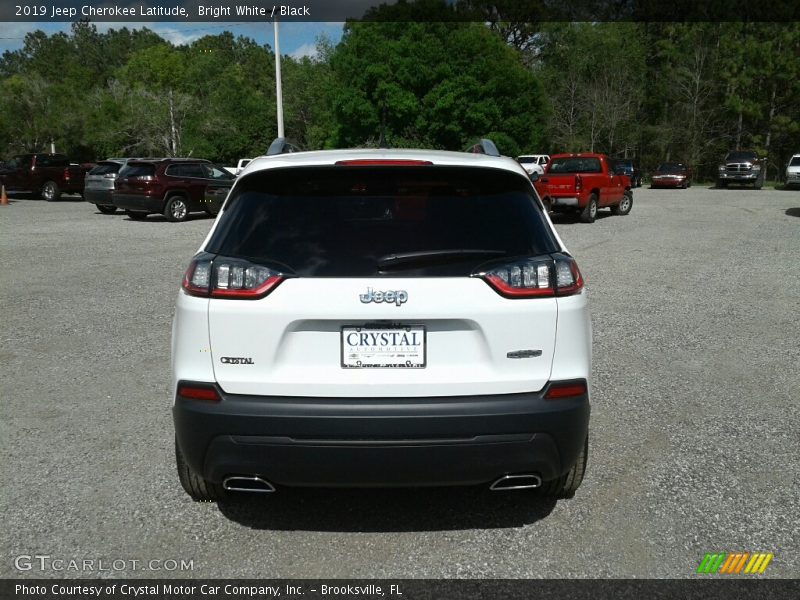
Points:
x=99, y=184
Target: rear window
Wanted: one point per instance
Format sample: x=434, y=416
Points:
x=350, y=221
x=575, y=165
x=138, y=170
x=671, y=168
x=104, y=168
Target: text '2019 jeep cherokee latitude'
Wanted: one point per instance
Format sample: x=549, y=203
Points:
x=377, y=318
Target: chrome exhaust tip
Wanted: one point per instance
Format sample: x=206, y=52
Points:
x=239, y=483
x=516, y=482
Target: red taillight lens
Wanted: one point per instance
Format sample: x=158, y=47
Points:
x=536, y=278
x=229, y=278
x=578, y=183
x=382, y=162
x=198, y=391
x=66, y=175
x=565, y=389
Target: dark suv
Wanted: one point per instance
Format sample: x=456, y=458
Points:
x=625, y=166
x=173, y=187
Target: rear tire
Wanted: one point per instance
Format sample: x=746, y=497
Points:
x=566, y=485
x=176, y=209
x=198, y=488
x=589, y=213
x=625, y=205
x=50, y=191
x=106, y=209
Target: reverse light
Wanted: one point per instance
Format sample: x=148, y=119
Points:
x=535, y=278
x=220, y=277
x=559, y=390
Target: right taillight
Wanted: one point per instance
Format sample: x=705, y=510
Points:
x=578, y=183
x=220, y=277
x=535, y=278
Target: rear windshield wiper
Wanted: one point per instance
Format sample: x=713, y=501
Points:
x=422, y=257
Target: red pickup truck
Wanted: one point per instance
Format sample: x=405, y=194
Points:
x=584, y=183
x=47, y=174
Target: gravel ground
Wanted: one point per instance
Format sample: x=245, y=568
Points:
x=694, y=425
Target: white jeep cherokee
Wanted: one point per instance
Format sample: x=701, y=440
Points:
x=381, y=318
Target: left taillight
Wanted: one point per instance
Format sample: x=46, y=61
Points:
x=232, y=278
x=535, y=277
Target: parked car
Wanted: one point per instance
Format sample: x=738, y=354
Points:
x=381, y=318
x=741, y=166
x=534, y=163
x=173, y=187
x=99, y=183
x=584, y=183
x=47, y=174
x=626, y=166
x=793, y=171
x=673, y=175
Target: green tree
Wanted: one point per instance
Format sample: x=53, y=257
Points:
x=433, y=84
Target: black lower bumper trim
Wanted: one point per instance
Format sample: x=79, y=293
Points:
x=381, y=442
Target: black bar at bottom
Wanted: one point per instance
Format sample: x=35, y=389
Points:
x=700, y=587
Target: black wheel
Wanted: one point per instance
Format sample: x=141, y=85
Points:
x=722, y=184
x=198, y=488
x=176, y=209
x=625, y=205
x=589, y=213
x=136, y=216
x=50, y=191
x=106, y=209
x=566, y=485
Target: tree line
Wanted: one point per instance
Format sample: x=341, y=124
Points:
x=651, y=91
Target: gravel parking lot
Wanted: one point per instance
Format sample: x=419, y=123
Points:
x=694, y=444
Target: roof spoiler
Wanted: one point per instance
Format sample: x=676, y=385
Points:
x=484, y=146
x=282, y=146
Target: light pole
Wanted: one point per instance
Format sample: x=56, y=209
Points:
x=278, y=87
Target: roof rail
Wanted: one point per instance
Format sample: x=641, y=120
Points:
x=282, y=146
x=484, y=146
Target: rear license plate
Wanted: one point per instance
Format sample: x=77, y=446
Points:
x=383, y=348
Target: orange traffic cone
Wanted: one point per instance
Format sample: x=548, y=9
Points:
x=3, y=197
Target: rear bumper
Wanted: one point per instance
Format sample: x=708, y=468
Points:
x=567, y=201
x=137, y=202
x=98, y=196
x=381, y=442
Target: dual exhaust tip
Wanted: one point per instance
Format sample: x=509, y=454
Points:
x=239, y=483
x=259, y=485
x=527, y=481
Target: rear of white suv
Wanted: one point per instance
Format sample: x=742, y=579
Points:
x=381, y=318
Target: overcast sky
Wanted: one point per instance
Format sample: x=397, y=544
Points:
x=296, y=38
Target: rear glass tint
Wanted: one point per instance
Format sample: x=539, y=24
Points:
x=138, y=170
x=342, y=221
x=104, y=168
x=575, y=165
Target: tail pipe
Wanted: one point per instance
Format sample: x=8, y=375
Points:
x=516, y=482
x=239, y=483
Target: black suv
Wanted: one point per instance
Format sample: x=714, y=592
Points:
x=625, y=166
x=173, y=187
